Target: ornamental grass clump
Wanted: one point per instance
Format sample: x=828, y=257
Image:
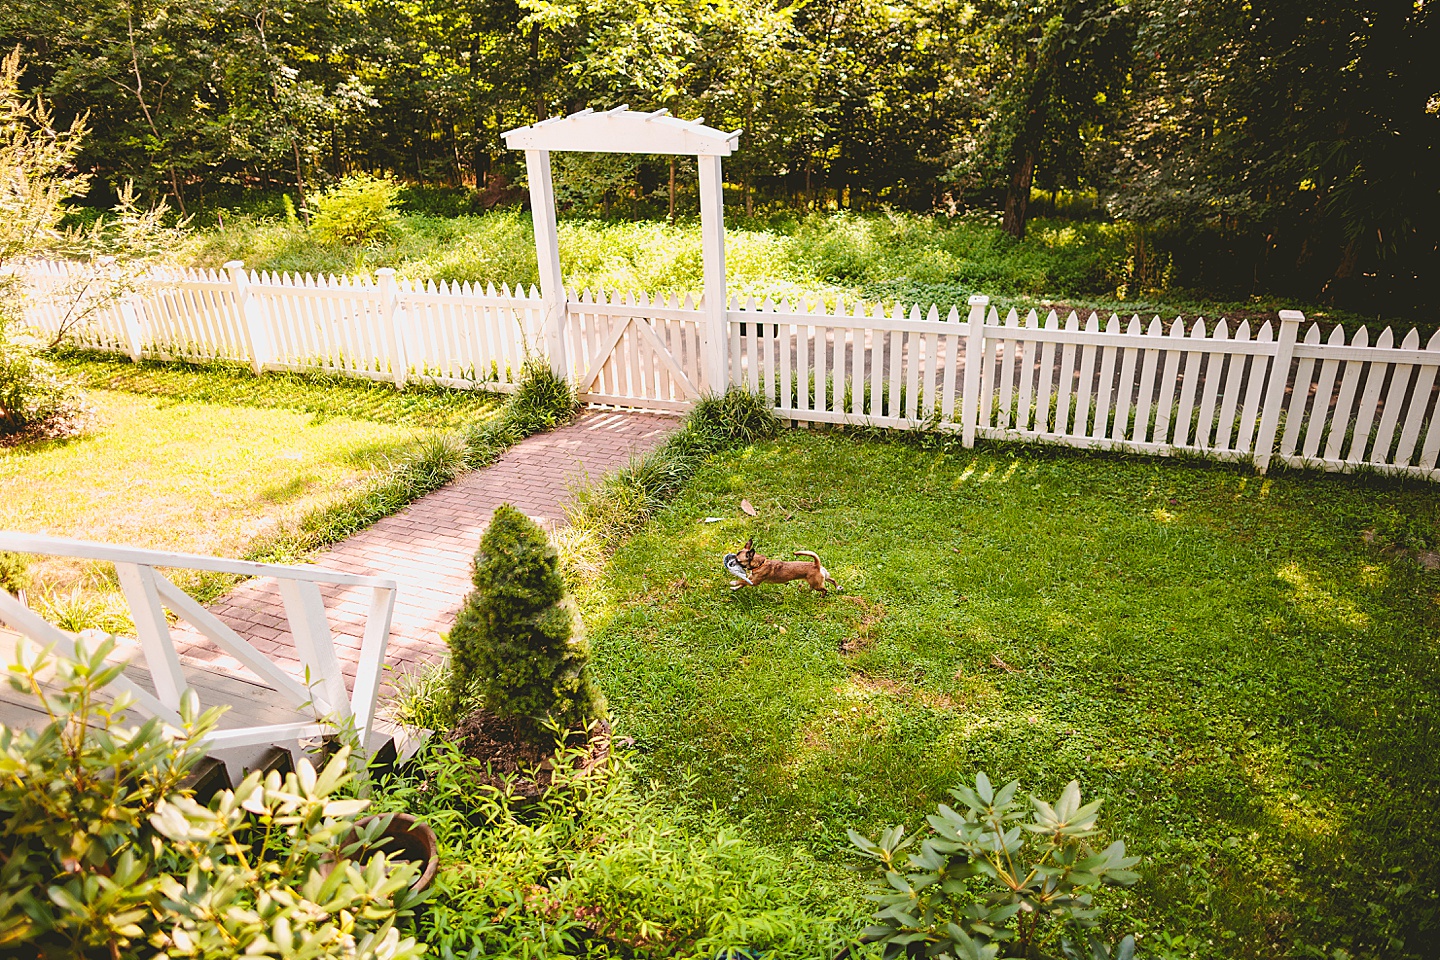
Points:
x=516, y=646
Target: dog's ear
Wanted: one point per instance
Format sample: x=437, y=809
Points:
x=750, y=544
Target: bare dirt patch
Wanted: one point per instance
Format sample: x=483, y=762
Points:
x=514, y=760
x=872, y=613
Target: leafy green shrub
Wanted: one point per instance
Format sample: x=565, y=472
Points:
x=597, y=868
x=103, y=851
x=359, y=209
x=987, y=881
x=14, y=571
x=541, y=401
x=34, y=400
x=80, y=609
x=737, y=416
x=515, y=640
x=420, y=699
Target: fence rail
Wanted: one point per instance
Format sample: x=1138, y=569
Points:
x=1221, y=390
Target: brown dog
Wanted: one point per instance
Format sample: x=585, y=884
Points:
x=764, y=570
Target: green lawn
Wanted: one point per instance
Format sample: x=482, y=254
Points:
x=1250, y=683
x=202, y=460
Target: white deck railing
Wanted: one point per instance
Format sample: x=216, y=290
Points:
x=149, y=594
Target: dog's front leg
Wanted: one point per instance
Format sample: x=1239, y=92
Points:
x=737, y=584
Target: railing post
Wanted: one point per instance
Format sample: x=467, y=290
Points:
x=974, y=356
x=134, y=336
x=252, y=322
x=310, y=628
x=153, y=630
x=392, y=320
x=1290, y=321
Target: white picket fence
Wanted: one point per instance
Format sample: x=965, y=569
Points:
x=451, y=334
x=1224, y=391
x=1218, y=390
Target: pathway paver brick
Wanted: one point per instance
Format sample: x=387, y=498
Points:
x=427, y=547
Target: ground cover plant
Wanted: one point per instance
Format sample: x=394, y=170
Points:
x=890, y=257
x=1242, y=668
x=602, y=866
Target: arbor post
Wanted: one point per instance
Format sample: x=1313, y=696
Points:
x=622, y=130
x=714, y=339
x=1290, y=321
x=547, y=258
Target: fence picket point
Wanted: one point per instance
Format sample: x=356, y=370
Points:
x=1105, y=385
x=1234, y=378
x=974, y=351
x=1394, y=401
x=1210, y=390
x=1320, y=415
x=1279, y=373
x=1066, y=377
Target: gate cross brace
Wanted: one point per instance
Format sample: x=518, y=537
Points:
x=607, y=347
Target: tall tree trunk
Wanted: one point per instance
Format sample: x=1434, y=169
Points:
x=139, y=91
x=481, y=162
x=1017, y=194
x=541, y=112
x=300, y=184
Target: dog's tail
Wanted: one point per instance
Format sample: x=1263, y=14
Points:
x=824, y=574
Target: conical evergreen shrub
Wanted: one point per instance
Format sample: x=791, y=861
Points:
x=517, y=641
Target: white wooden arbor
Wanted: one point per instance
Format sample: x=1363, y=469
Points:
x=623, y=131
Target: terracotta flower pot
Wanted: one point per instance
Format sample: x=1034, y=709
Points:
x=409, y=838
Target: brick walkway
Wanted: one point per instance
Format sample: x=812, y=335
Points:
x=428, y=547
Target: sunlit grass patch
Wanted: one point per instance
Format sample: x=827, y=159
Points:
x=189, y=477
x=884, y=256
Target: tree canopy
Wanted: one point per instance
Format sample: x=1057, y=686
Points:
x=1295, y=137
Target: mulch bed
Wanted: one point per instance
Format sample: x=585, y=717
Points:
x=511, y=758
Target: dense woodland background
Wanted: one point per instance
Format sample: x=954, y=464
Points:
x=1279, y=147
